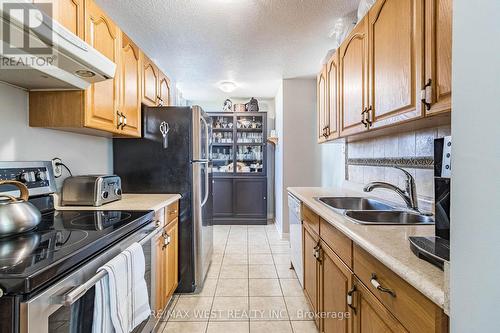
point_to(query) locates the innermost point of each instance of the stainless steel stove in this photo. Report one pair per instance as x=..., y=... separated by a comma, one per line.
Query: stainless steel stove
x=41, y=267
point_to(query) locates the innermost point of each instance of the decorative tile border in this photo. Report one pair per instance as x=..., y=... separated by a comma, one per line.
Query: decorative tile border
x=426, y=162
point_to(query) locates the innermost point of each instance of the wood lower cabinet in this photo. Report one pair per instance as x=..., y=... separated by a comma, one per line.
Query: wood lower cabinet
x=438, y=46
x=395, y=31
x=310, y=244
x=69, y=13
x=338, y=283
x=335, y=282
x=167, y=253
x=171, y=250
x=370, y=315
x=354, y=80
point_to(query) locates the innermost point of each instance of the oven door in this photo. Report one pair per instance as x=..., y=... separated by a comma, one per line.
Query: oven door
x=52, y=311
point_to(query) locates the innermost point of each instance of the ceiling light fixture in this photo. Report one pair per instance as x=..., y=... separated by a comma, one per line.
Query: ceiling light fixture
x=227, y=86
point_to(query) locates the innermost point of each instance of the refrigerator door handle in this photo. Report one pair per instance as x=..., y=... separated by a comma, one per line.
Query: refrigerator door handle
x=207, y=189
x=207, y=152
x=207, y=145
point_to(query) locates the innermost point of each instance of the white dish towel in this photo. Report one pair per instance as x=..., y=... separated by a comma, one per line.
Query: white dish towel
x=121, y=298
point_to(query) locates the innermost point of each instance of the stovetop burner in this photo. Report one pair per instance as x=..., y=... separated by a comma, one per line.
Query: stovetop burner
x=62, y=241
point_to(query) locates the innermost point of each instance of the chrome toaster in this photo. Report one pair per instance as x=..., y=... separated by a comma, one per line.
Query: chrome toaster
x=91, y=190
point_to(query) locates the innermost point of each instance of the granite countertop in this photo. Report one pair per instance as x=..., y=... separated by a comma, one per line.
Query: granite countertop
x=389, y=244
x=128, y=202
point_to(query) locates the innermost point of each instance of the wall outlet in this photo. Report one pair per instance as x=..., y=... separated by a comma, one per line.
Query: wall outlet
x=57, y=167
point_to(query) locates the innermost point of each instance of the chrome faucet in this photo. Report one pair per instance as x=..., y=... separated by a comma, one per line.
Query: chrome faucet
x=409, y=195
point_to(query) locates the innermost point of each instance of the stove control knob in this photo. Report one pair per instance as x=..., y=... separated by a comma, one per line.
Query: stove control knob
x=24, y=177
x=105, y=194
x=118, y=192
x=27, y=177
x=41, y=176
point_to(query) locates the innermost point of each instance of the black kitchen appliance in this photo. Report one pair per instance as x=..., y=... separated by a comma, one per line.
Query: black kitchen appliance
x=173, y=156
x=40, y=268
x=436, y=250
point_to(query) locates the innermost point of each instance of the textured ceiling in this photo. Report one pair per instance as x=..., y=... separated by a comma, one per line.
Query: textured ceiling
x=254, y=43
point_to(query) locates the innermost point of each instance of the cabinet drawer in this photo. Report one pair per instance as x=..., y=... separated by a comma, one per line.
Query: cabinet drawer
x=310, y=218
x=416, y=312
x=172, y=211
x=337, y=241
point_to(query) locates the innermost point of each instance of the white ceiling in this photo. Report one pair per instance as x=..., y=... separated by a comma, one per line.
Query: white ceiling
x=254, y=43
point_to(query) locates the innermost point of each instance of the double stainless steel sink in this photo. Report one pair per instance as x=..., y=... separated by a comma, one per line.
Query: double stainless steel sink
x=372, y=211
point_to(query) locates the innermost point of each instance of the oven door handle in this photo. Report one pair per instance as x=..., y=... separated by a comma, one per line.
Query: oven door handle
x=76, y=293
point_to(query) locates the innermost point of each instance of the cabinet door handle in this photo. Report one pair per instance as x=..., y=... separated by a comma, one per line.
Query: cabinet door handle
x=368, y=115
x=426, y=95
x=350, y=294
x=363, y=121
x=120, y=119
x=377, y=285
x=124, y=123
x=166, y=240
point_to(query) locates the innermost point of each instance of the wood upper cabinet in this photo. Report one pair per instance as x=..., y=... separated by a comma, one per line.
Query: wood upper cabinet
x=370, y=315
x=335, y=282
x=332, y=79
x=438, y=46
x=130, y=88
x=395, y=61
x=321, y=88
x=151, y=79
x=310, y=243
x=354, y=79
x=102, y=98
x=69, y=13
x=164, y=90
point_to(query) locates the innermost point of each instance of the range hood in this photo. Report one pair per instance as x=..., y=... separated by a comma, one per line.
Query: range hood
x=56, y=59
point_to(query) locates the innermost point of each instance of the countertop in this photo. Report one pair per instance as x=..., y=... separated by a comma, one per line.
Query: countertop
x=128, y=202
x=389, y=244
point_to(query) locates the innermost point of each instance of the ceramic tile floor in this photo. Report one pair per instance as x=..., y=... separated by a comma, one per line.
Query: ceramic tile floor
x=250, y=288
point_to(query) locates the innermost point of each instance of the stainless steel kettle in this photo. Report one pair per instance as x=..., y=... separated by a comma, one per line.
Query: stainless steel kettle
x=17, y=215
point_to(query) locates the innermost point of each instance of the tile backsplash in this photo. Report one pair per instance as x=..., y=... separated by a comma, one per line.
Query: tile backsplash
x=409, y=144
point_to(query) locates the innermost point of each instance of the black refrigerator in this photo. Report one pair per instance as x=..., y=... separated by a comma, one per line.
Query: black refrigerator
x=173, y=156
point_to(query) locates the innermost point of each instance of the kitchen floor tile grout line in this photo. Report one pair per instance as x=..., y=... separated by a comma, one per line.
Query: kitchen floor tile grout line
x=235, y=233
x=218, y=278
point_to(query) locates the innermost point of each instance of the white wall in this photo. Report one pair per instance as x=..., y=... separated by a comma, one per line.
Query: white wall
x=298, y=157
x=278, y=161
x=475, y=230
x=18, y=142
